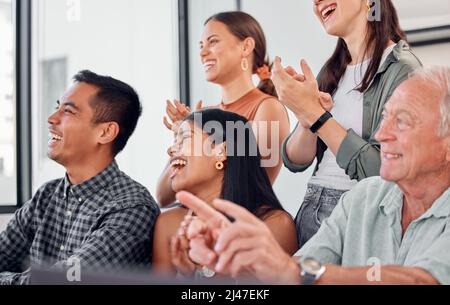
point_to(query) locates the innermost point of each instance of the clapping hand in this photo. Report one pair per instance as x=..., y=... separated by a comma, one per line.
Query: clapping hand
x=300, y=92
x=176, y=112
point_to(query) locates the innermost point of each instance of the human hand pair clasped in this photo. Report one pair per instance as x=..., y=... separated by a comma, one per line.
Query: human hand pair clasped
x=300, y=92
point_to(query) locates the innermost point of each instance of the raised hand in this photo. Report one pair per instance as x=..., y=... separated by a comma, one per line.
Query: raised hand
x=325, y=98
x=176, y=112
x=298, y=92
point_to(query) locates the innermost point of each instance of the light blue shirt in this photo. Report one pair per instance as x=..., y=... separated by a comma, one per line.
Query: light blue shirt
x=366, y=227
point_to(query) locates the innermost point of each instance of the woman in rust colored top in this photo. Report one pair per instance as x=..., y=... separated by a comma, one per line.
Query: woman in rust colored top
x=232, y=50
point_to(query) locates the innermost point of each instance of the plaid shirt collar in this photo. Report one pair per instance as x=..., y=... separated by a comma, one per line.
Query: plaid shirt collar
x=91, y=186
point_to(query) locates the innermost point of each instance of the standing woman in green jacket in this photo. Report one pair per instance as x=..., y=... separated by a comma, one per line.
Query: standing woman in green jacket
x=371, y=59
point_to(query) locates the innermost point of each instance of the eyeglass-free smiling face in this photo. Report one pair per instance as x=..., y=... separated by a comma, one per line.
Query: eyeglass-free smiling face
x=221, y=53
x=340, y=17
x=191, y=167
x=73, y=136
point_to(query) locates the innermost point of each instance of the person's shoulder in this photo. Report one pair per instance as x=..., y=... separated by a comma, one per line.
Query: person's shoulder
x=279, y=218
x=173, y=216
x=270, y=106
x=169, y=221
x=42, y=198
x=126, y=192
x=405, y=58
x=50, y=187
x=368, y=192
x=264, y=97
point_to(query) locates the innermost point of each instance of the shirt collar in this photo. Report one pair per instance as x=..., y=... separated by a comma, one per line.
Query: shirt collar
x=393, y=202
x=93, y=185
x=441, y=207
x=401, y=47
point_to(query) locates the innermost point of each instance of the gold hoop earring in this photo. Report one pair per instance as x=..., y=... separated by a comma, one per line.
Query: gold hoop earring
x=244, y=64
x=369, y=7
x=219, y=165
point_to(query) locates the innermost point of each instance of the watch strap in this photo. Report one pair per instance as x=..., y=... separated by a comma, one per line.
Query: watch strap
x=322, y=120
x=308, y=279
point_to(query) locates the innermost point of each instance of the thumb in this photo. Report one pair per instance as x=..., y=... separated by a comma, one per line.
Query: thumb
x=279, y=72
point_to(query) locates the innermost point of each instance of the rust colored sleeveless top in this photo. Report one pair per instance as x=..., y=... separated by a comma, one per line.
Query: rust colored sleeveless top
x=247, y=105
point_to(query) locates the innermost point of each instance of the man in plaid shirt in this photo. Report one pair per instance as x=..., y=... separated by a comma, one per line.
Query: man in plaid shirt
x=96, y=215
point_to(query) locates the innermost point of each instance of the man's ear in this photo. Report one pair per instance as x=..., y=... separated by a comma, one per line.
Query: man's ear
x=108, y=132
x=248, y=46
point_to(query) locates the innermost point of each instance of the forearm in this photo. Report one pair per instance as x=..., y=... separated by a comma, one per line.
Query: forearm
x=164, y=193
x=386, y=275
x=14, y=244
x=301, y=148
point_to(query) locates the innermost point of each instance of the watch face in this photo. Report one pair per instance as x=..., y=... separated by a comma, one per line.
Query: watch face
x=311, y=266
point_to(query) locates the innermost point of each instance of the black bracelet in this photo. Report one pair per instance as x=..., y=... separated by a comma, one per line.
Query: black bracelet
x=322, y=120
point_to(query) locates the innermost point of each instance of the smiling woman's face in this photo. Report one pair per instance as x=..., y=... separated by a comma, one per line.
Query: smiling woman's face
x=221, y=53
x=193, y=169
x=341, y=17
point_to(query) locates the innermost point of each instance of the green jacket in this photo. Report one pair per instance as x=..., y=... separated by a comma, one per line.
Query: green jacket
x=360, y=156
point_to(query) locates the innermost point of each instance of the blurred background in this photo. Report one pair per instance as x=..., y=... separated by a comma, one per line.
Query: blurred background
x=153, y=46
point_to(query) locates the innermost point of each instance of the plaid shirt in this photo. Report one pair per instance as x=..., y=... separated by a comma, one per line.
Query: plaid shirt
x=106, y=222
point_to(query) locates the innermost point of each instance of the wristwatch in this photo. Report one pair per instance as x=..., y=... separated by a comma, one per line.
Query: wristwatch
x=311, y=270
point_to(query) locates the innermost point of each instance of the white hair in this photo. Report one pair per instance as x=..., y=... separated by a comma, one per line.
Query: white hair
x=439, y=78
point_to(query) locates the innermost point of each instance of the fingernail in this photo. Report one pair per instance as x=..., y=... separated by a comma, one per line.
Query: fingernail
x=218, y=247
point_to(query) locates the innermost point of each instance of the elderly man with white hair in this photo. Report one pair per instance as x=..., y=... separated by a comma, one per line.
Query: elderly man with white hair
x=393, y=229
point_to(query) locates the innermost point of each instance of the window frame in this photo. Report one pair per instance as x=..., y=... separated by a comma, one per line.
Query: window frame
x=22, y=91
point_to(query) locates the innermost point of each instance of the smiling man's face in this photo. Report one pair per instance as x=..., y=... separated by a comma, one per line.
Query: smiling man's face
x=411, y=147
x=73, y=135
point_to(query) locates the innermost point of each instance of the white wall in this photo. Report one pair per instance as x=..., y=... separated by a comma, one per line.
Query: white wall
x=199, y=12
x=437, y=54
x=3, y=221
x=134, y=41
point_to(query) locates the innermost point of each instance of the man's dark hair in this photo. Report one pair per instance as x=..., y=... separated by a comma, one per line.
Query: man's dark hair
x=115, y=101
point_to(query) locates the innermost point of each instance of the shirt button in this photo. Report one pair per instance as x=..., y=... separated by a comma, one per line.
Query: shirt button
x=62, y=248
x=69, y=213
x=80, y=200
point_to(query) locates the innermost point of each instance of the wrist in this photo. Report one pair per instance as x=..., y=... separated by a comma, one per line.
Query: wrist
x=314, y=116
x=292, y=274
x=321, y=121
